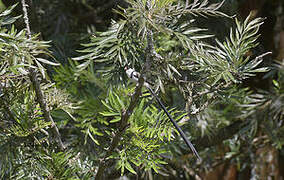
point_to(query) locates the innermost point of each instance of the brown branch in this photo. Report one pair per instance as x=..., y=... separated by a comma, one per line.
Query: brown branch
x=123, y=125
x=44, y=108
x=26, y=18
x=36, y=84
x=126, y=114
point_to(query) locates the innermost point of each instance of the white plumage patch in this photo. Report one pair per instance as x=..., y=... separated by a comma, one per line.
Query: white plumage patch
x=134, y=76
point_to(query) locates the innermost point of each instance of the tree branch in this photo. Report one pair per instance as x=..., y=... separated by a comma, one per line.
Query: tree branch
x=44, y=108
x=121, y=129
x=36, y=84
x=26, y=19
x=126, y=114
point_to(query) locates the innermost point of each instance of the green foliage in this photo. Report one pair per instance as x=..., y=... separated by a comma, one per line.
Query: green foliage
x=268, y=108
x=204, y=74
x=148, y=130
x=200, y=83
x=19, y=52
x=58, y=165
x=230, y=61
x=22, y=124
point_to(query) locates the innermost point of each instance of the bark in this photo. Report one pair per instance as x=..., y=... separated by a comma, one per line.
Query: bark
x=126, y=114
x=36, y=84
x=44, y=108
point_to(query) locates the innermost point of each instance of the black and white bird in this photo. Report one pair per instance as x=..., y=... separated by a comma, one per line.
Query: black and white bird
x=134, y=77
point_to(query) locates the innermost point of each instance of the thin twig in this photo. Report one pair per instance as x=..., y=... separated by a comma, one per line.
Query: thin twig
x=123, y=126
x=126, y=114
x=153, y=53
x=26, y=19
x=36, y=84
x=44, y=108
x=123, y=123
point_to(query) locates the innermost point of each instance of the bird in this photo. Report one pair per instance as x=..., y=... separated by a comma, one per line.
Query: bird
x=134, y=77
